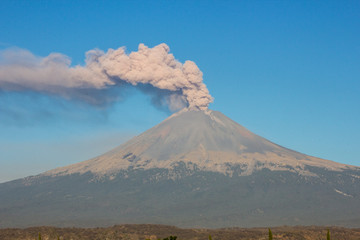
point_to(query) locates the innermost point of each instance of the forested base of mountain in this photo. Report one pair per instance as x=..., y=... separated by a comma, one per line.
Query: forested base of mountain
x=196, y=199
x=154, y=232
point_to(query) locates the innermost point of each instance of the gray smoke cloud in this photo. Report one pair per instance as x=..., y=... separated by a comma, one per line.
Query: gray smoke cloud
x=171, y=83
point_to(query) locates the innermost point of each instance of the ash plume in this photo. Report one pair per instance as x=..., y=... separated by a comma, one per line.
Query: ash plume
x=172, y=83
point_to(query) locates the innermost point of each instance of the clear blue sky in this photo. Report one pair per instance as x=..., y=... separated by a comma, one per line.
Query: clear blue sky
x=286, y=70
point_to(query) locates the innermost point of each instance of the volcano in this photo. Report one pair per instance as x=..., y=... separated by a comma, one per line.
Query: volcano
x=194, y=169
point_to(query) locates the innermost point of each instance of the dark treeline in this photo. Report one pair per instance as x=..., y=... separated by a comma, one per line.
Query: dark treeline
x=162, y=232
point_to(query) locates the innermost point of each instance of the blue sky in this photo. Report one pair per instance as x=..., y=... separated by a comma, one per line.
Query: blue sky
x=288, y=71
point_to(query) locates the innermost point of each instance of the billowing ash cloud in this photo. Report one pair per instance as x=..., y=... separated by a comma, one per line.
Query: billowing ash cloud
x=170, y=82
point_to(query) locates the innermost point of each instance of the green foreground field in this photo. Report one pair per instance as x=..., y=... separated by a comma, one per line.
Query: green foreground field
x=154, y=232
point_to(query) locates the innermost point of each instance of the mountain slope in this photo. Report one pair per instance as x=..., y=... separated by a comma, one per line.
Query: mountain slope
x=195, y=169
x=207, y=139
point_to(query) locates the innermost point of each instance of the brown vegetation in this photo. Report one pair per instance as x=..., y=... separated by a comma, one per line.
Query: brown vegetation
x=153, y=232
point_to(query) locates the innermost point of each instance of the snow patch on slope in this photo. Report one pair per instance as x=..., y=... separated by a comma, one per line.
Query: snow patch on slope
x=342, y=193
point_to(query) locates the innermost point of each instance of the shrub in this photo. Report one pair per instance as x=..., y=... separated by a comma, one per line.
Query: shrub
x=270, y=234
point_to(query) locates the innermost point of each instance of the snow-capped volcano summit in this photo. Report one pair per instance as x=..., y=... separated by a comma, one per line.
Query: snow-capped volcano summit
x=194, y=169
x=206, y=139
